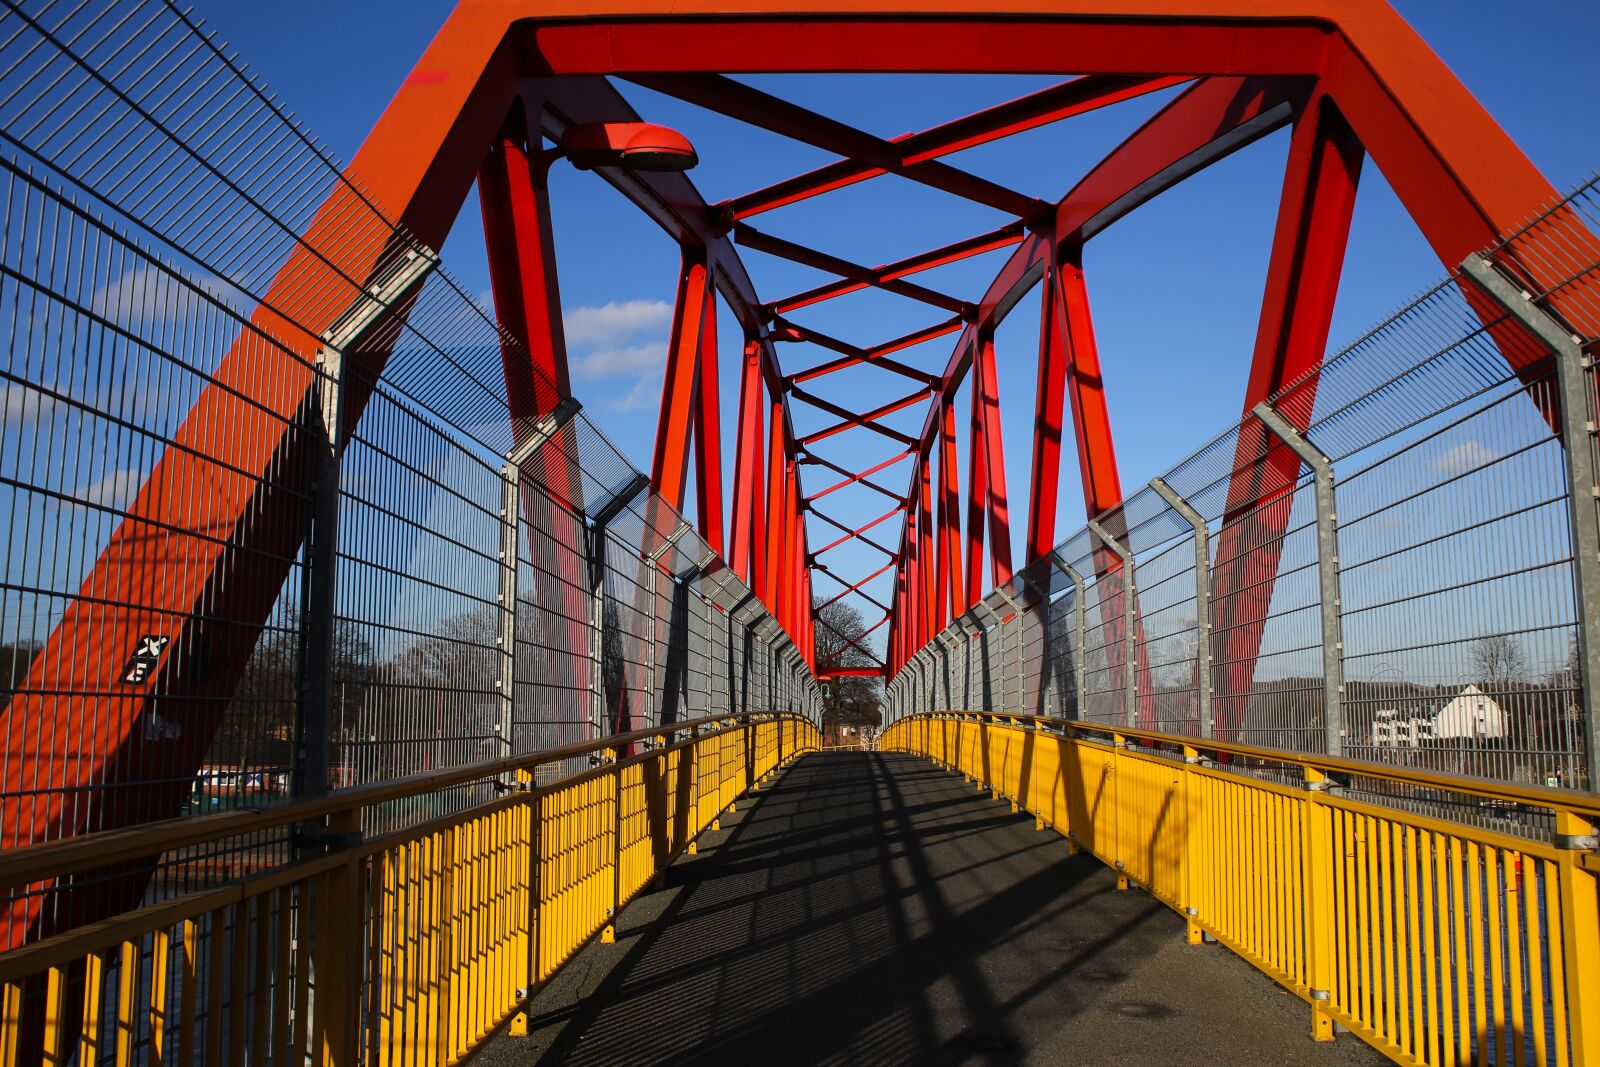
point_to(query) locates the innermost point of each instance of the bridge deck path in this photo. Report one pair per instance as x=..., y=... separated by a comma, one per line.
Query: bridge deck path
x=871, y=909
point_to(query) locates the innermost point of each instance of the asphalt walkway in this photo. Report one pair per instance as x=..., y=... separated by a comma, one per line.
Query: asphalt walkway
x=871, y=909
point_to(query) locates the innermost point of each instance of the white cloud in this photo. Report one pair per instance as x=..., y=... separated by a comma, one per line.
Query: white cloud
x=116, y=490
x=150, y=295
x=644, y=396
x=24, y=406
x=1464, y=457
x=615, y=322
x=620, y=360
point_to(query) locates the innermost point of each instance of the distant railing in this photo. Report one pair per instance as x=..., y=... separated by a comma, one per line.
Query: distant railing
x=1436, y=941
x=406, y=947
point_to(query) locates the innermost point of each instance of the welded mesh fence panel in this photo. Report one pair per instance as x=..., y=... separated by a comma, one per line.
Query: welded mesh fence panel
x=1165, y=639
x=176, y=256
x=1457, y=632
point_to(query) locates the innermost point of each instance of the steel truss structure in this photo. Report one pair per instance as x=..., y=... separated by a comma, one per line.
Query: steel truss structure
x=497, y=98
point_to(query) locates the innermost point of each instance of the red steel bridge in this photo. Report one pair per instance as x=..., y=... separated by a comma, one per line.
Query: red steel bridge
x=355, y=681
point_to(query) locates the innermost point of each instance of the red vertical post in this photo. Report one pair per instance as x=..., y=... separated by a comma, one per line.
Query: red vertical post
x=772, y=549
x=522, y=278
x=950, y=588
x=708, y=426
x=747, y=469
x=1091, y=422
x=995, y=462
x=930, y=575
x=794, y=549
x=669, y=467
x=1047, y=405
x=1308, y=248
x=977, y=488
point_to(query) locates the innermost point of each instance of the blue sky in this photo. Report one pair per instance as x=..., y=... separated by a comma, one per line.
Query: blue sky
x=1175, y=287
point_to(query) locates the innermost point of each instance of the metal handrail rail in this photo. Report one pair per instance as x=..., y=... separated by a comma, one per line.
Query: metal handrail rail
x=1572, y=800
x=52, y=859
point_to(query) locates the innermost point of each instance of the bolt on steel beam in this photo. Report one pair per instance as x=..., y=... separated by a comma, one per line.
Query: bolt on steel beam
x=1202, y=597
x=1327, y=570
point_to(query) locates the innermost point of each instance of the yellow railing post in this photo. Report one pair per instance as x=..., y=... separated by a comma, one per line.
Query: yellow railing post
x=1579, y=871
x=520, y=1021
x=608, y=936
x=1191, y=848
x=1114, y=765
x=340, y=920
x=1316, y=838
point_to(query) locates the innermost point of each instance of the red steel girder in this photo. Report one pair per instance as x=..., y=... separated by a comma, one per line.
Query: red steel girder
x=872, y=416
x=708, y=430
x=858, y=531
x=747, y=495
x=747, y=104
x=855, y=642
x=812, y=457
x=857, y=534
x=854, y=478
x=1085, y=387
x=1307, y=257
x=748, y=237
x=1004, y=237
x=986, y=390
x=864, y=421
x=855, y=588
x=1029, y=112
x=876, y=355
x=669, y=469
x=951, y=591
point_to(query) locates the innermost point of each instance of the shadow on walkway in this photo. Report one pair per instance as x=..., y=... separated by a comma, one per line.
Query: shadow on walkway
x=872, y=909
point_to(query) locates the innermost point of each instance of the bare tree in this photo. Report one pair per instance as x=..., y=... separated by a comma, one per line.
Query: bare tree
x=841, y=635
x=1498, y=661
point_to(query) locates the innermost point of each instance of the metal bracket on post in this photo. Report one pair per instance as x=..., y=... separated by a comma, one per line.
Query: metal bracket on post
x=1202, y=596
x=543, y=431
x=1130, y=596
x=1327, y=569
x=319, y=596
x=597, y=590
x=1079, y=678
x=1577, y=434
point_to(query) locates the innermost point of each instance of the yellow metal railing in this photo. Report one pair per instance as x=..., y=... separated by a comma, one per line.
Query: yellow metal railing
x=405, y=948
x=1436, y=941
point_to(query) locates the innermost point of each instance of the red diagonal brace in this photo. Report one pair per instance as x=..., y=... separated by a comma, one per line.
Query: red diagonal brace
x=850, y=416
x=854, y=478
x=748, y=237
x=747, y=104
x=1025, y=113
x=871, y=416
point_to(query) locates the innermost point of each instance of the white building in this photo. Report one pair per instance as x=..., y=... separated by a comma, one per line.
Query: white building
x=1473, y=715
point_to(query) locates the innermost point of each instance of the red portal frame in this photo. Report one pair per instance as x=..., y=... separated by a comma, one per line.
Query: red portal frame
x=1351, y=78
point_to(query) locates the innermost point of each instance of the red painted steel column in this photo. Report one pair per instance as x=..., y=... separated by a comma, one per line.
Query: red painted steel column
x=669, y=467
x=950, y=587
x=1091, y=423
x=995, y=462
x=925, y=549
x=708, y=427
x=1049, y=396
x=522, y=277
x=977, y=489
x=772, y=548
x=747, y=469
x=1302, y=282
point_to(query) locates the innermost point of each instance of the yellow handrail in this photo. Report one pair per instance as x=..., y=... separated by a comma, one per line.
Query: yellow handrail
x=1436, y=941
x=408, y=947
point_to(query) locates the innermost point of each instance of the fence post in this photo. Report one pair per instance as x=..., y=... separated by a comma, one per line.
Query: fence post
x=1130, y=597
x=1579, y=891
x=1317, y=842
x=1202, y=597
x=1577, y=434
x=1327, y=570
x=1010, y=647
x=1079, y=677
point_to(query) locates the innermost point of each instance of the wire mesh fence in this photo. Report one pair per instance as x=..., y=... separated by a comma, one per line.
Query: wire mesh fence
x=271, y=527
x=1440, y=515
